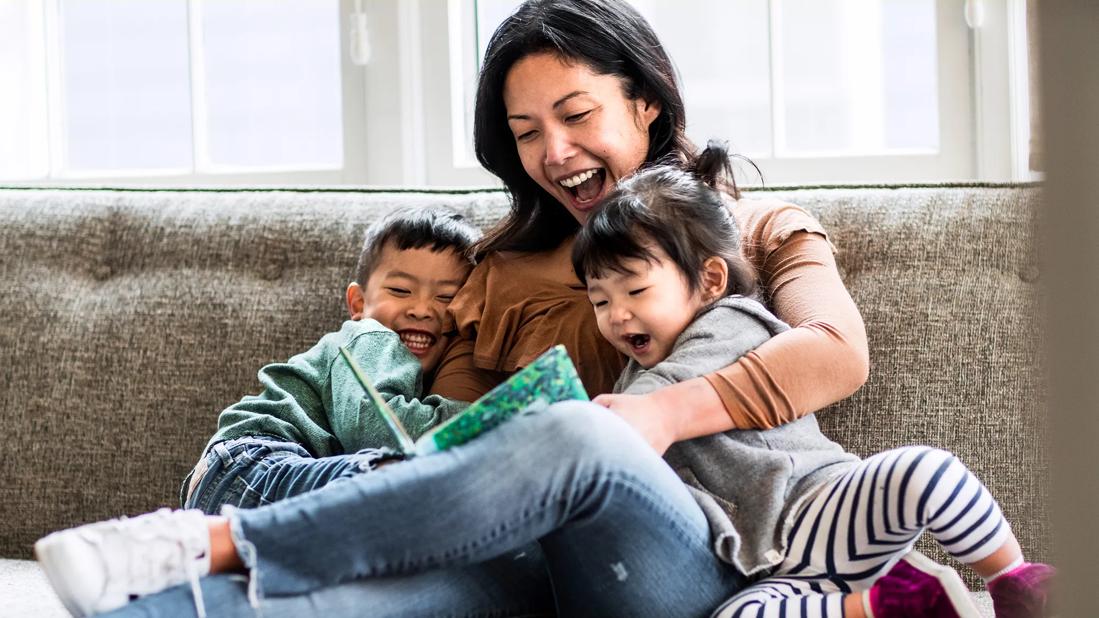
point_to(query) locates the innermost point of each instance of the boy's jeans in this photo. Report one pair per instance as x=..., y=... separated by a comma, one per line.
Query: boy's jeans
x=620, y=533
x=254, y=471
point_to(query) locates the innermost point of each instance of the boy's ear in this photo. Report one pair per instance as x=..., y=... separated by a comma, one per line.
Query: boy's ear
x=355, y=301
x=715, y=278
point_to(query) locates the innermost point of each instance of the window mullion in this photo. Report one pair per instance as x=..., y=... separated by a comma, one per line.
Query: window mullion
x=778, y=95
x=200, y=157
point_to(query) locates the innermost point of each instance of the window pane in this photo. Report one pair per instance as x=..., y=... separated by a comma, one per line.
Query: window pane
x=272, y=82
x=722, y=61
x=858, y=76
x=126, y=82
x=24, y=147
x=723, y=64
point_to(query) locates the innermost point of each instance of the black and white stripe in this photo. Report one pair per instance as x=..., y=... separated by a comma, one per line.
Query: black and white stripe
x=855, y=528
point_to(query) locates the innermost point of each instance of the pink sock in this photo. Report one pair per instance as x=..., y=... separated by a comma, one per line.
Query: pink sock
x=873, y=602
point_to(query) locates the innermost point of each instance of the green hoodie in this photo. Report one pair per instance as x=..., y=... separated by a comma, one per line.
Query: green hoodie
x=314, y=400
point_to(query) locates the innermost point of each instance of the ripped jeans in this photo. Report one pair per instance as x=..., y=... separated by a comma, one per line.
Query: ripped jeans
x=256, y=471
x=565, y=511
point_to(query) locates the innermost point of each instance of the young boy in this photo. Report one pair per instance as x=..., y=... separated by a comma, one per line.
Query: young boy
x=312, y=423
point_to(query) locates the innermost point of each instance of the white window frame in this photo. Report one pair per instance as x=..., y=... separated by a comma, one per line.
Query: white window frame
x=354, y=122
x=983, y=135
x=404, y=124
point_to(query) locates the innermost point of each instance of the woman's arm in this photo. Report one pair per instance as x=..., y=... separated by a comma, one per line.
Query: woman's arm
x=821, y=360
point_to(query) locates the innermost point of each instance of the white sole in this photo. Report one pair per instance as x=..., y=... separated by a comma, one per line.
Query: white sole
x=952, y=583
x=56, y=553
x=47, y=554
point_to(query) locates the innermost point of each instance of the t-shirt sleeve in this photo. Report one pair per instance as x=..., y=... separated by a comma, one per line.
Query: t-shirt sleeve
x=824, y=357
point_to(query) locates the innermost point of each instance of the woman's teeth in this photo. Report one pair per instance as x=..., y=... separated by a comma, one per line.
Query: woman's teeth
x=417, y=341
x=577, y=179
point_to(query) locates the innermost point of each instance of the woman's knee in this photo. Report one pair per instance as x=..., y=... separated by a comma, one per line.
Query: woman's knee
x=588, y=432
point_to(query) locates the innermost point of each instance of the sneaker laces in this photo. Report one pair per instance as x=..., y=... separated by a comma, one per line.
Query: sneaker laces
x=162, y=551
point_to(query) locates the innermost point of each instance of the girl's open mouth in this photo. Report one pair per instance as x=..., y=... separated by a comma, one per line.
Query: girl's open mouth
x=639, y=344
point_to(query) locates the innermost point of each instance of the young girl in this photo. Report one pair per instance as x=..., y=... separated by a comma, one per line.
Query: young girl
x=833, y=534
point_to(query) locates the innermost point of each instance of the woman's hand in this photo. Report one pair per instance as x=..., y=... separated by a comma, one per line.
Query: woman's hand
x=680, y=411
x=646, y=415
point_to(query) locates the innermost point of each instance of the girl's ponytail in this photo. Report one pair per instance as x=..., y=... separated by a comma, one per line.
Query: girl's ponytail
x=712, y=165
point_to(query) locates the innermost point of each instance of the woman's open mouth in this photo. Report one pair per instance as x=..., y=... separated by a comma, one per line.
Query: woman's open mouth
x=417, y=341
x=586, y=186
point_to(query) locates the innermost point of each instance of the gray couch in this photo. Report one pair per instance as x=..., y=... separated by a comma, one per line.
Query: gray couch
x=131, y=317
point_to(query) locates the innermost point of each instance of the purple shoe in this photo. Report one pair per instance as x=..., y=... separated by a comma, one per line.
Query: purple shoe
x=917, y=586
x=1024, y=592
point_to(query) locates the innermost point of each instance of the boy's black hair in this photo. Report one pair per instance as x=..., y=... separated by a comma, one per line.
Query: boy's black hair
x=681, y=211
x=415, y=228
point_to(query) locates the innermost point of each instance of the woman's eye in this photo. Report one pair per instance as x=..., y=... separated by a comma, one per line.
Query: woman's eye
x=577, y=117
x=522, y=137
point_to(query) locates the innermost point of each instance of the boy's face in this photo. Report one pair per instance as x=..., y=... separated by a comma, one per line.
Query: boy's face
x=408, y=292
x=643, y=312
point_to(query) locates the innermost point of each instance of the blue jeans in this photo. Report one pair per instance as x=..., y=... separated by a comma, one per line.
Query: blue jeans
x=619, y=532
x=255, y=471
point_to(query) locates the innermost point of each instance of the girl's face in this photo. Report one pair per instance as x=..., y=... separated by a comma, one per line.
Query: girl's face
x=576, y=132
x=642, y=312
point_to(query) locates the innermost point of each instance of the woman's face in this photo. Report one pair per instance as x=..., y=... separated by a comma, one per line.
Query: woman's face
x=576, y=132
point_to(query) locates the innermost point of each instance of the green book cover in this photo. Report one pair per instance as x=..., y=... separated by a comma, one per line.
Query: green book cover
x=548, y=379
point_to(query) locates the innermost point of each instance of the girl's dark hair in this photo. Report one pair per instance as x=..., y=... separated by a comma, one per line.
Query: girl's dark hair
x=682, y=212
x=609, y=37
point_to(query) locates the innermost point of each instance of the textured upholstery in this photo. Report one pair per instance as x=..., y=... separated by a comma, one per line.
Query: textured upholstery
x=130, y=318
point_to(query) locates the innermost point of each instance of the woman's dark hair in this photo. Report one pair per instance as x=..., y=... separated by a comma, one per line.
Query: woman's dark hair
x=682, y=212
x=609, y=37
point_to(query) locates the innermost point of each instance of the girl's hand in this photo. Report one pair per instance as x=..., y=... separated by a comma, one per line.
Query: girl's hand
x=645, y=414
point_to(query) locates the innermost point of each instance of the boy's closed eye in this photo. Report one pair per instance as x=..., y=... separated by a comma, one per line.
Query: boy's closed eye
x=397, y=291
x=638, y=291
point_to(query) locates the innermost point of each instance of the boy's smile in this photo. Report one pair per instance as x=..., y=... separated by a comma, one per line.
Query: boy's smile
x=408, y=292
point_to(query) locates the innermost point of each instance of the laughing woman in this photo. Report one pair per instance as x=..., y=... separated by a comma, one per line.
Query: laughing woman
x=570, y=512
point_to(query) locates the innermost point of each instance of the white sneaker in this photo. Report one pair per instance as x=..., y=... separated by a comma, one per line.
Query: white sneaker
x=100, y=567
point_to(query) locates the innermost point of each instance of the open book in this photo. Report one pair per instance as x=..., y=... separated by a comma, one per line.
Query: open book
x=548, y=379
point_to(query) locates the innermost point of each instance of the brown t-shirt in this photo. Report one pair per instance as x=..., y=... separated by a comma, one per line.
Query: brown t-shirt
x=515, y=306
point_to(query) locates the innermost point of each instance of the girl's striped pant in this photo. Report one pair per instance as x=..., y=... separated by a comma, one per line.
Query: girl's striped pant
x=859, y=525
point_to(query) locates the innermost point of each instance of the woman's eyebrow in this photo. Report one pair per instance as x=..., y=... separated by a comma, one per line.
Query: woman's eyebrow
x=557, y=104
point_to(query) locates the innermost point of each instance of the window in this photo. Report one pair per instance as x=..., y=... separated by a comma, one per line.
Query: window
x=180, y=92
x=102, y=89
x=822, y=90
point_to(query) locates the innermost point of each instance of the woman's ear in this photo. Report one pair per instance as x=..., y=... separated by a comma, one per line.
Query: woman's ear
x=355, y=301
x=715, y=278
x=647, y=111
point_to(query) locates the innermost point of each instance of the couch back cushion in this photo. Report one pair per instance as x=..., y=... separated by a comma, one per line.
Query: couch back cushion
x=131, y=318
